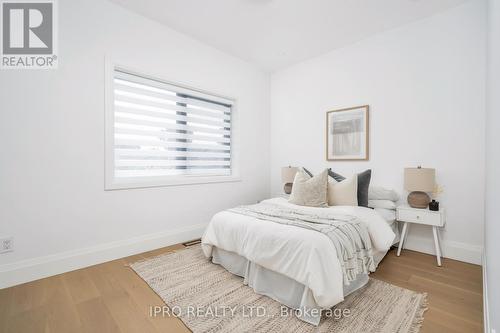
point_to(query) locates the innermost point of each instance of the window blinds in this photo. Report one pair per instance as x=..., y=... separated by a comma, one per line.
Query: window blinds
x=165, y=130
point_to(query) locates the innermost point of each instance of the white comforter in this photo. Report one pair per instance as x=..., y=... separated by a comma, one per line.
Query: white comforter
x=304, y=255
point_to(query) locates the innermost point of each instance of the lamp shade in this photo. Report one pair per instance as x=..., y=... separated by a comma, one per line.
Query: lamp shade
x=288, y=174
x=420, y=179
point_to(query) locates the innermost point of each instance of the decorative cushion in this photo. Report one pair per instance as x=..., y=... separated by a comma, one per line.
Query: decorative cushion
x=363, y=185
x=309, y=191
x=343, y=193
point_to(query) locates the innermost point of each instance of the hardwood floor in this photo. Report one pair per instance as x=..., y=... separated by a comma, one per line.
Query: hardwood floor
x=110, y=297
x=455, y=290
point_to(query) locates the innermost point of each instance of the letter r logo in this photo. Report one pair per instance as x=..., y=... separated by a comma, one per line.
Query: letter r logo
x=27, y=28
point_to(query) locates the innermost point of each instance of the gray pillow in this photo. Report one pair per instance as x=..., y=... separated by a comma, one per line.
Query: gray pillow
x=363, y=184
x=310, y=173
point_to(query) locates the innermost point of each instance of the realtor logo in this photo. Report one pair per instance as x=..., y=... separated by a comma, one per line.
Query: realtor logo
x=28, y=34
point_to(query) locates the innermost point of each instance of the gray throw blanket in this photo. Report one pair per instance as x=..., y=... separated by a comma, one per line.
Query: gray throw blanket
x=347, y=233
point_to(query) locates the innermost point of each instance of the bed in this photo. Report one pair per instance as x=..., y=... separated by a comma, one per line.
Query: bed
x=389, y=215
x=295, y=266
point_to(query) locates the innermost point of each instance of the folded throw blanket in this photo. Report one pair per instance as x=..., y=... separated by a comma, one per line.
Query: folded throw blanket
x=347, y=233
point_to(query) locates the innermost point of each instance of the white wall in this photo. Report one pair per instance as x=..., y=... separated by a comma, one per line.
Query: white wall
x=52, y=198
x=492, y=222
x=425, y=86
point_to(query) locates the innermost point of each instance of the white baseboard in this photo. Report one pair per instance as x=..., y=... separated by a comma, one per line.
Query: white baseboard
x=451, y=249
x=41, y=267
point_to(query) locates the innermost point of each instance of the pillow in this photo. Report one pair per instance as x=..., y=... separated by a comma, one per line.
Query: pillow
x=380, y=193
x=344, y=193
x=363, y=184
x=309, y=191
x=387, y=204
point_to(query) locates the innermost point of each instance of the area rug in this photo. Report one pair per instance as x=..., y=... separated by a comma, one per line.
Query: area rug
x=207, y=298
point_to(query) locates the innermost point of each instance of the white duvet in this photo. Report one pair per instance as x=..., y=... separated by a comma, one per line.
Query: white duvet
x=304, y=255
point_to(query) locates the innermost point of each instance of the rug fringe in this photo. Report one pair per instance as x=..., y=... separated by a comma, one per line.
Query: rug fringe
x=418, y=320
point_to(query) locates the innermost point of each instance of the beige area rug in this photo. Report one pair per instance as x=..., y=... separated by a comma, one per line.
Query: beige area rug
x=207, y=298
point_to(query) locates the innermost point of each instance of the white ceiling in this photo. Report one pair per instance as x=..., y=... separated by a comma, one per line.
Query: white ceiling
x=274, y=34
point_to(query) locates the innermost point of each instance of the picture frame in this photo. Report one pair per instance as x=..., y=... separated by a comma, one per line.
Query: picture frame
x=347, y=134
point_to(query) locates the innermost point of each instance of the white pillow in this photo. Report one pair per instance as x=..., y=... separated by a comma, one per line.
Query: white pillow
x=387, y=204
x=381, y=193
x=309, y=191
x=344, y=193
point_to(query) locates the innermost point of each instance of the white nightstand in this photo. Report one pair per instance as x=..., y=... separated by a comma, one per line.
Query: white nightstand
x=436, y=219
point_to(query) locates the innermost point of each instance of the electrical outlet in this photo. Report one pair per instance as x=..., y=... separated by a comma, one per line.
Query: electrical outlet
x=6, y=244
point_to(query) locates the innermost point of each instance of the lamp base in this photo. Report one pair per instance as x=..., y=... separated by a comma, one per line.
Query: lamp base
x=418, y=199
x=288, y=188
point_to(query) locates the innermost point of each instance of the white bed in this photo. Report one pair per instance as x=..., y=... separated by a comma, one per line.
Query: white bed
x=389, y=215
x=295, y=266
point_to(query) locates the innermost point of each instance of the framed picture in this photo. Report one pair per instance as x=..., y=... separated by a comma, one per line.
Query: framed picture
x=347, y=134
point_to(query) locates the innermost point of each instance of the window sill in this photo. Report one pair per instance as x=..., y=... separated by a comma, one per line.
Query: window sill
x=175, y=181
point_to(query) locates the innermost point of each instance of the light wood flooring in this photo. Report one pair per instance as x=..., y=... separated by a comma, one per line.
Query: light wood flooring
x=110, y=297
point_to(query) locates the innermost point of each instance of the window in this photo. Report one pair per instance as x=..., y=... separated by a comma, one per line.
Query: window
x=164, y=134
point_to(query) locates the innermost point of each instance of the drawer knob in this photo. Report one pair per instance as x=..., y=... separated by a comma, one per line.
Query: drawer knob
x=418, y=217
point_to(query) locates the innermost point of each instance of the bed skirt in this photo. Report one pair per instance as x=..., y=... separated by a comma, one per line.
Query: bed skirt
x=281, y=288
x=277, y=286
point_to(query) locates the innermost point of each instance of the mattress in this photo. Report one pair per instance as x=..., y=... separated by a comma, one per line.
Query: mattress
x=389, y=215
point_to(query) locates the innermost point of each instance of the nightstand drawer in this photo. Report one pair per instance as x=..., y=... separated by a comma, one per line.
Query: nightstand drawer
x=420, y=216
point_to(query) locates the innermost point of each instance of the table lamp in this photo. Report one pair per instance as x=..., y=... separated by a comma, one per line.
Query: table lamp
x=418, y=181
x=287, y=177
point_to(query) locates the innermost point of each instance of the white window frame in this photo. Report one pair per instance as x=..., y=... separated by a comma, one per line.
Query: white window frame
x=113, y=183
